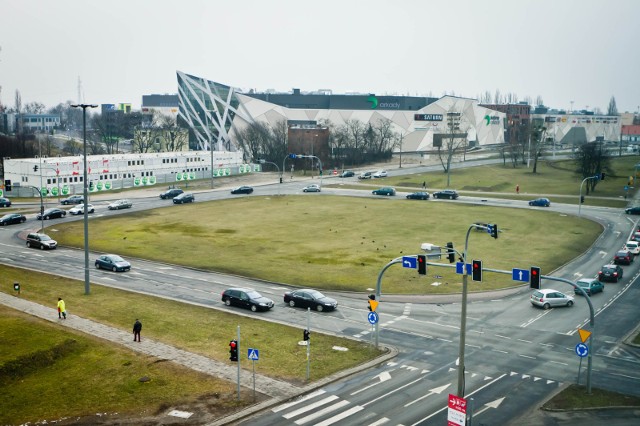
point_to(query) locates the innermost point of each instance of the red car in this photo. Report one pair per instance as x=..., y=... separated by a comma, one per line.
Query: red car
x=623, y=257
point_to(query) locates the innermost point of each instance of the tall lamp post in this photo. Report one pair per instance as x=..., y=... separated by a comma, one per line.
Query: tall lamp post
x=87, y=288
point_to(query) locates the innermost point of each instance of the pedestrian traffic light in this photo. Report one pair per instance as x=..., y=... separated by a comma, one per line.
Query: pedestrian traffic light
x=582, y=199
x=494, y=231
x=422, y=264
x=233, y=350
x=476, y=270
x=451, y=253
x=306, y=334
x=534, y=277
x=372, y=297
x=35, y=168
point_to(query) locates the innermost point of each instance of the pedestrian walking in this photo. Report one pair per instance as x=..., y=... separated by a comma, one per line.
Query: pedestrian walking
x=137, y=328
x=517, y=189
x=62, y=310
x=424, y=184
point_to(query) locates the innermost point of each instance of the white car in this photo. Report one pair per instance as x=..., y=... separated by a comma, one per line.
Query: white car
x=311, y=188
x=550, y=298
x=633, y=247
x=380, y=174
x=79, y=209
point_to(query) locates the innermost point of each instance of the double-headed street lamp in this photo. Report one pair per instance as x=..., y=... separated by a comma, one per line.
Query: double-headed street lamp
x=87, y=288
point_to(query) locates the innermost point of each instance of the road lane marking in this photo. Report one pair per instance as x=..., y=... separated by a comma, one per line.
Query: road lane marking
x=503, y=337
x=340, y=416
x=527, y=356
x=322, y=412
x=298, y=401
x=310, y=407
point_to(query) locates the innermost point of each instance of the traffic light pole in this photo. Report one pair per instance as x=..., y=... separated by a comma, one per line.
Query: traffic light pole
x=308, y=344
x=238, y=349
x=463, y=315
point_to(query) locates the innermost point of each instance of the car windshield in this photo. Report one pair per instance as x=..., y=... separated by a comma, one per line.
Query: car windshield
x=7, y=216
x=45, y=238
x=315, y=294
x=538, y=294
x=254, y=295
x=621, y=254
x=116, y=258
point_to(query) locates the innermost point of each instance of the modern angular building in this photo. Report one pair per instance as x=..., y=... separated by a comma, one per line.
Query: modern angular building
x=214, y=112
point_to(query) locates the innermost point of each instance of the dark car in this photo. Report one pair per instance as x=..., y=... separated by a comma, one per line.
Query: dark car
x=246, y=298
x=120, y=204
x=242, y=190
x=185, y=197
x=623, y=257
x=610, y=272
x=54, y=213
x=41, y=241
x=418, y=196
x=590, y=286
x=632, y=210
x=5, y=202
x=112, y=262
x=307, y=298
x=385, y=190
x=449, y=194
x=540, y=202
x=347, y=173
x=171, y=193
x=12, y=218
x=74, y=199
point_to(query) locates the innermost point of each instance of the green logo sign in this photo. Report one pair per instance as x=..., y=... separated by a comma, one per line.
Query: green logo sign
x=152, y=180
x=144, y=180
x=54, y=191
x=488, y=118
x=65, y=190
x=44, y=191
x=100, y=186
x=374, y=102
x=1, y=193
x=136, y=182
x=107, y=185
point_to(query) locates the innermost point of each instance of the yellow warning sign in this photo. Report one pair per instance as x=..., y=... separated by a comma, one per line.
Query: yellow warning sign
x=373, y=304
x=584, y=334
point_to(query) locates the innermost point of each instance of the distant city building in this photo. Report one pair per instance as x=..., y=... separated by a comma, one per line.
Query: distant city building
x=164, y=104
x=575, y=128
x=631, y=133
x=32, y=123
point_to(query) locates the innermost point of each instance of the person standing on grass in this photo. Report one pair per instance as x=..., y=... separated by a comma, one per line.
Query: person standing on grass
x=517, y=189
x=137, y=328
x=62, y=311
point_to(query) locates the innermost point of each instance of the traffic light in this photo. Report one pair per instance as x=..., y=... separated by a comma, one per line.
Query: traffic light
x=233, y=350
x=451, y=253
x=476, y=270
x=7, y=185
x=35, y=168
x=602, y=176
x=534, y=277
x=422, y=264
x=582, y=199
x=90, y=185
x=494, y=231
x=371, y=297
x=306, y=334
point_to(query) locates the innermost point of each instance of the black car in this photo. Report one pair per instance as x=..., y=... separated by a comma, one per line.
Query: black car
x=418, y=196
x=12, y=218
x=347, y=173
x=5, y=202
x=53, y=213
x=632, y=210
x=610, y=272
x=246, y=298
x=307, y=298
x=185, y=197
x=448, y=194
x=74, y=199
x=242, y=190
x=171, y=193
x=623, y=257
x=112, y=262
x=41, y=241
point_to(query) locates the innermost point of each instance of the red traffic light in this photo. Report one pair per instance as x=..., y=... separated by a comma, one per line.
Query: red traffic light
x=476, y=270
x=422, y=264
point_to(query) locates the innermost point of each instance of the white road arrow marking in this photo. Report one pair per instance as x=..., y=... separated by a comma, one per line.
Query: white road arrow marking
x=384, y=376
x=603, y=253
x=431, y=392
x=494, y=404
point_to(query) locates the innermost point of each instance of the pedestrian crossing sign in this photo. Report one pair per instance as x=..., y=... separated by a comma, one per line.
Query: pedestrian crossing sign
x=253, y=354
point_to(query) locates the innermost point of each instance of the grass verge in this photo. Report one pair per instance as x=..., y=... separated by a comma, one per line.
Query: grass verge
x=575, y=397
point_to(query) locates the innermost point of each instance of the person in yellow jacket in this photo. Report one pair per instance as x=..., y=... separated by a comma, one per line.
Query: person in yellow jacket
x=62, y=311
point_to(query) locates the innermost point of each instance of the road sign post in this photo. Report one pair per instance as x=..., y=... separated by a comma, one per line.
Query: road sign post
x=253, y=355
x=457, y=412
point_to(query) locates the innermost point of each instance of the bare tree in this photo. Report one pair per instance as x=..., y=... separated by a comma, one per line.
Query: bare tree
x=34, y=108
x=539, y=101
x=174, y=137
x=455, y=141
x=72, y=147
x=612, y=109
x=591, y=159
x=497, y=98
x=538, y=138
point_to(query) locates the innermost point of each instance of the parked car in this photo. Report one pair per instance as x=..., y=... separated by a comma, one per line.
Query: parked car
x=12, y=218
x=185, y=197
x=550, y=298
x=311, y=188
x=171, y=193
x=53, y=213
x=365, y=175
x=242, y=190
x=120, y=204
x=79, y=209
x=422, y=195
x=632, y=210
x=380, y=174
x=611, y=272
x=589, y=285
x=540, y=202
x=446, y=194
x=112, y=262
x=246, y=298
x=74, y=199
x=385, y=190
x=623, y=257
x=307, y=298
x=5, y=202
x=41, y=241
x=346, y=174
x=633, y=247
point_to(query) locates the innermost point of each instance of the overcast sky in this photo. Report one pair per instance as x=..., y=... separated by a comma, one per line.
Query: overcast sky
x=564, y=51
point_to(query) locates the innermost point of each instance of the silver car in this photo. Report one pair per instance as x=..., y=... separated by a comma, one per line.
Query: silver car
x=550, y=298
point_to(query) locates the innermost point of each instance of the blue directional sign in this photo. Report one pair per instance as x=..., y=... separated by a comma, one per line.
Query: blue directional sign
x=520, y=275
x=582, y=350
x=292, y=155
x=373, y=317
x=459, y=266
x=253, y=354
x=409, y=262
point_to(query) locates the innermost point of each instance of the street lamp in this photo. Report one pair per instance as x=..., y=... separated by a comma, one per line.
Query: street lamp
x=87, y=289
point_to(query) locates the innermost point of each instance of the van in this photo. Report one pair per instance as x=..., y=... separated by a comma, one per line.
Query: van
x=41, y=241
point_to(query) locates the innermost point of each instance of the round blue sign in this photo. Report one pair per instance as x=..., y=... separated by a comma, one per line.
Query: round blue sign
x=372, y=317
x=582, y=350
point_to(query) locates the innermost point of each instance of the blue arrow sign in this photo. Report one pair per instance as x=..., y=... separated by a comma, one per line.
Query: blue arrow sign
x=582, y=350
x=459, y=268
x=409, y=262
x=520, y=275
x=253, y=354
x=373, y=317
